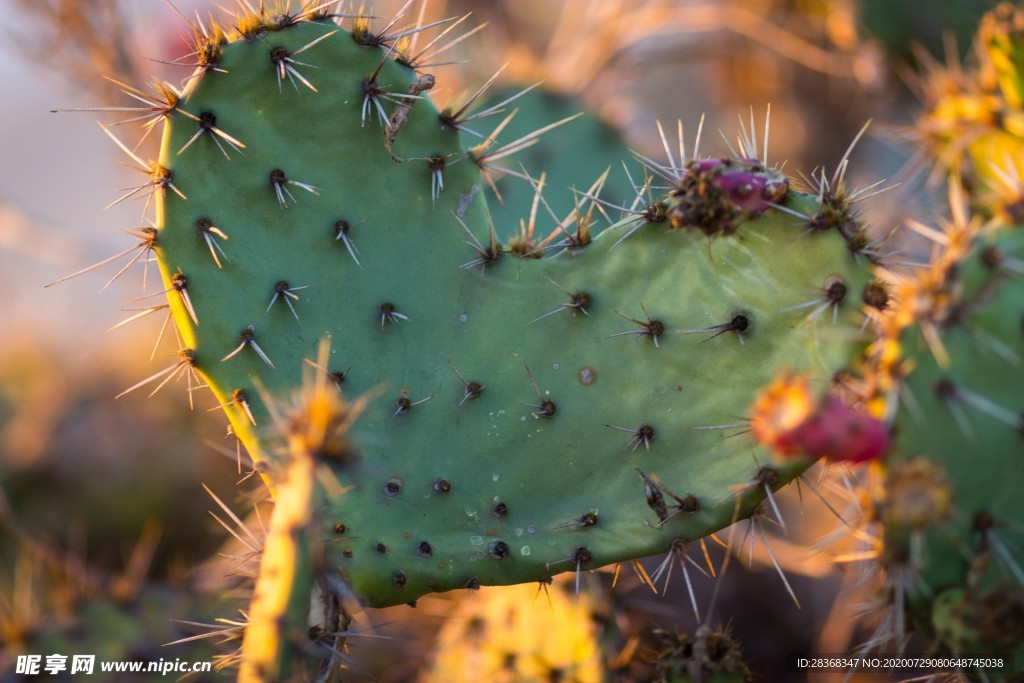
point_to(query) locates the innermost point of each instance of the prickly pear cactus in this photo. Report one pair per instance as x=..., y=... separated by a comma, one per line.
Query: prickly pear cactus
x=951, y=543
x=519, y=634
x=953, y=351
x=535, y=410
x=974, y=123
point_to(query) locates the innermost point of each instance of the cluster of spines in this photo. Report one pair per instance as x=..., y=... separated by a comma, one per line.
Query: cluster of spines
x=578, y=302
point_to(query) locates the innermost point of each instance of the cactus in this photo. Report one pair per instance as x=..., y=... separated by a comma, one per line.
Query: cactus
x=61, y=605
x=952, y=350
x=507, y=440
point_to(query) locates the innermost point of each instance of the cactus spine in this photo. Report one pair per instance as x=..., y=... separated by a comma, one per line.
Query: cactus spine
x=952, y=351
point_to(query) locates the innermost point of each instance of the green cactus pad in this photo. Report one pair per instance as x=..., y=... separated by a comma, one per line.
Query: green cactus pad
x=571, y=157
x=950, y=518
x=529, y=415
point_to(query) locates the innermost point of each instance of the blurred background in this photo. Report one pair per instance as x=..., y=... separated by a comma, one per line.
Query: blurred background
x=102, y=496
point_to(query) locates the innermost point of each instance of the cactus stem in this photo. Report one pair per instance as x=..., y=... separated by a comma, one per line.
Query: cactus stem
x=208, y=125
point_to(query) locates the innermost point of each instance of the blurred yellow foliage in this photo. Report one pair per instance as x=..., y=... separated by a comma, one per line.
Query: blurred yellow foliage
x=511, y=634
